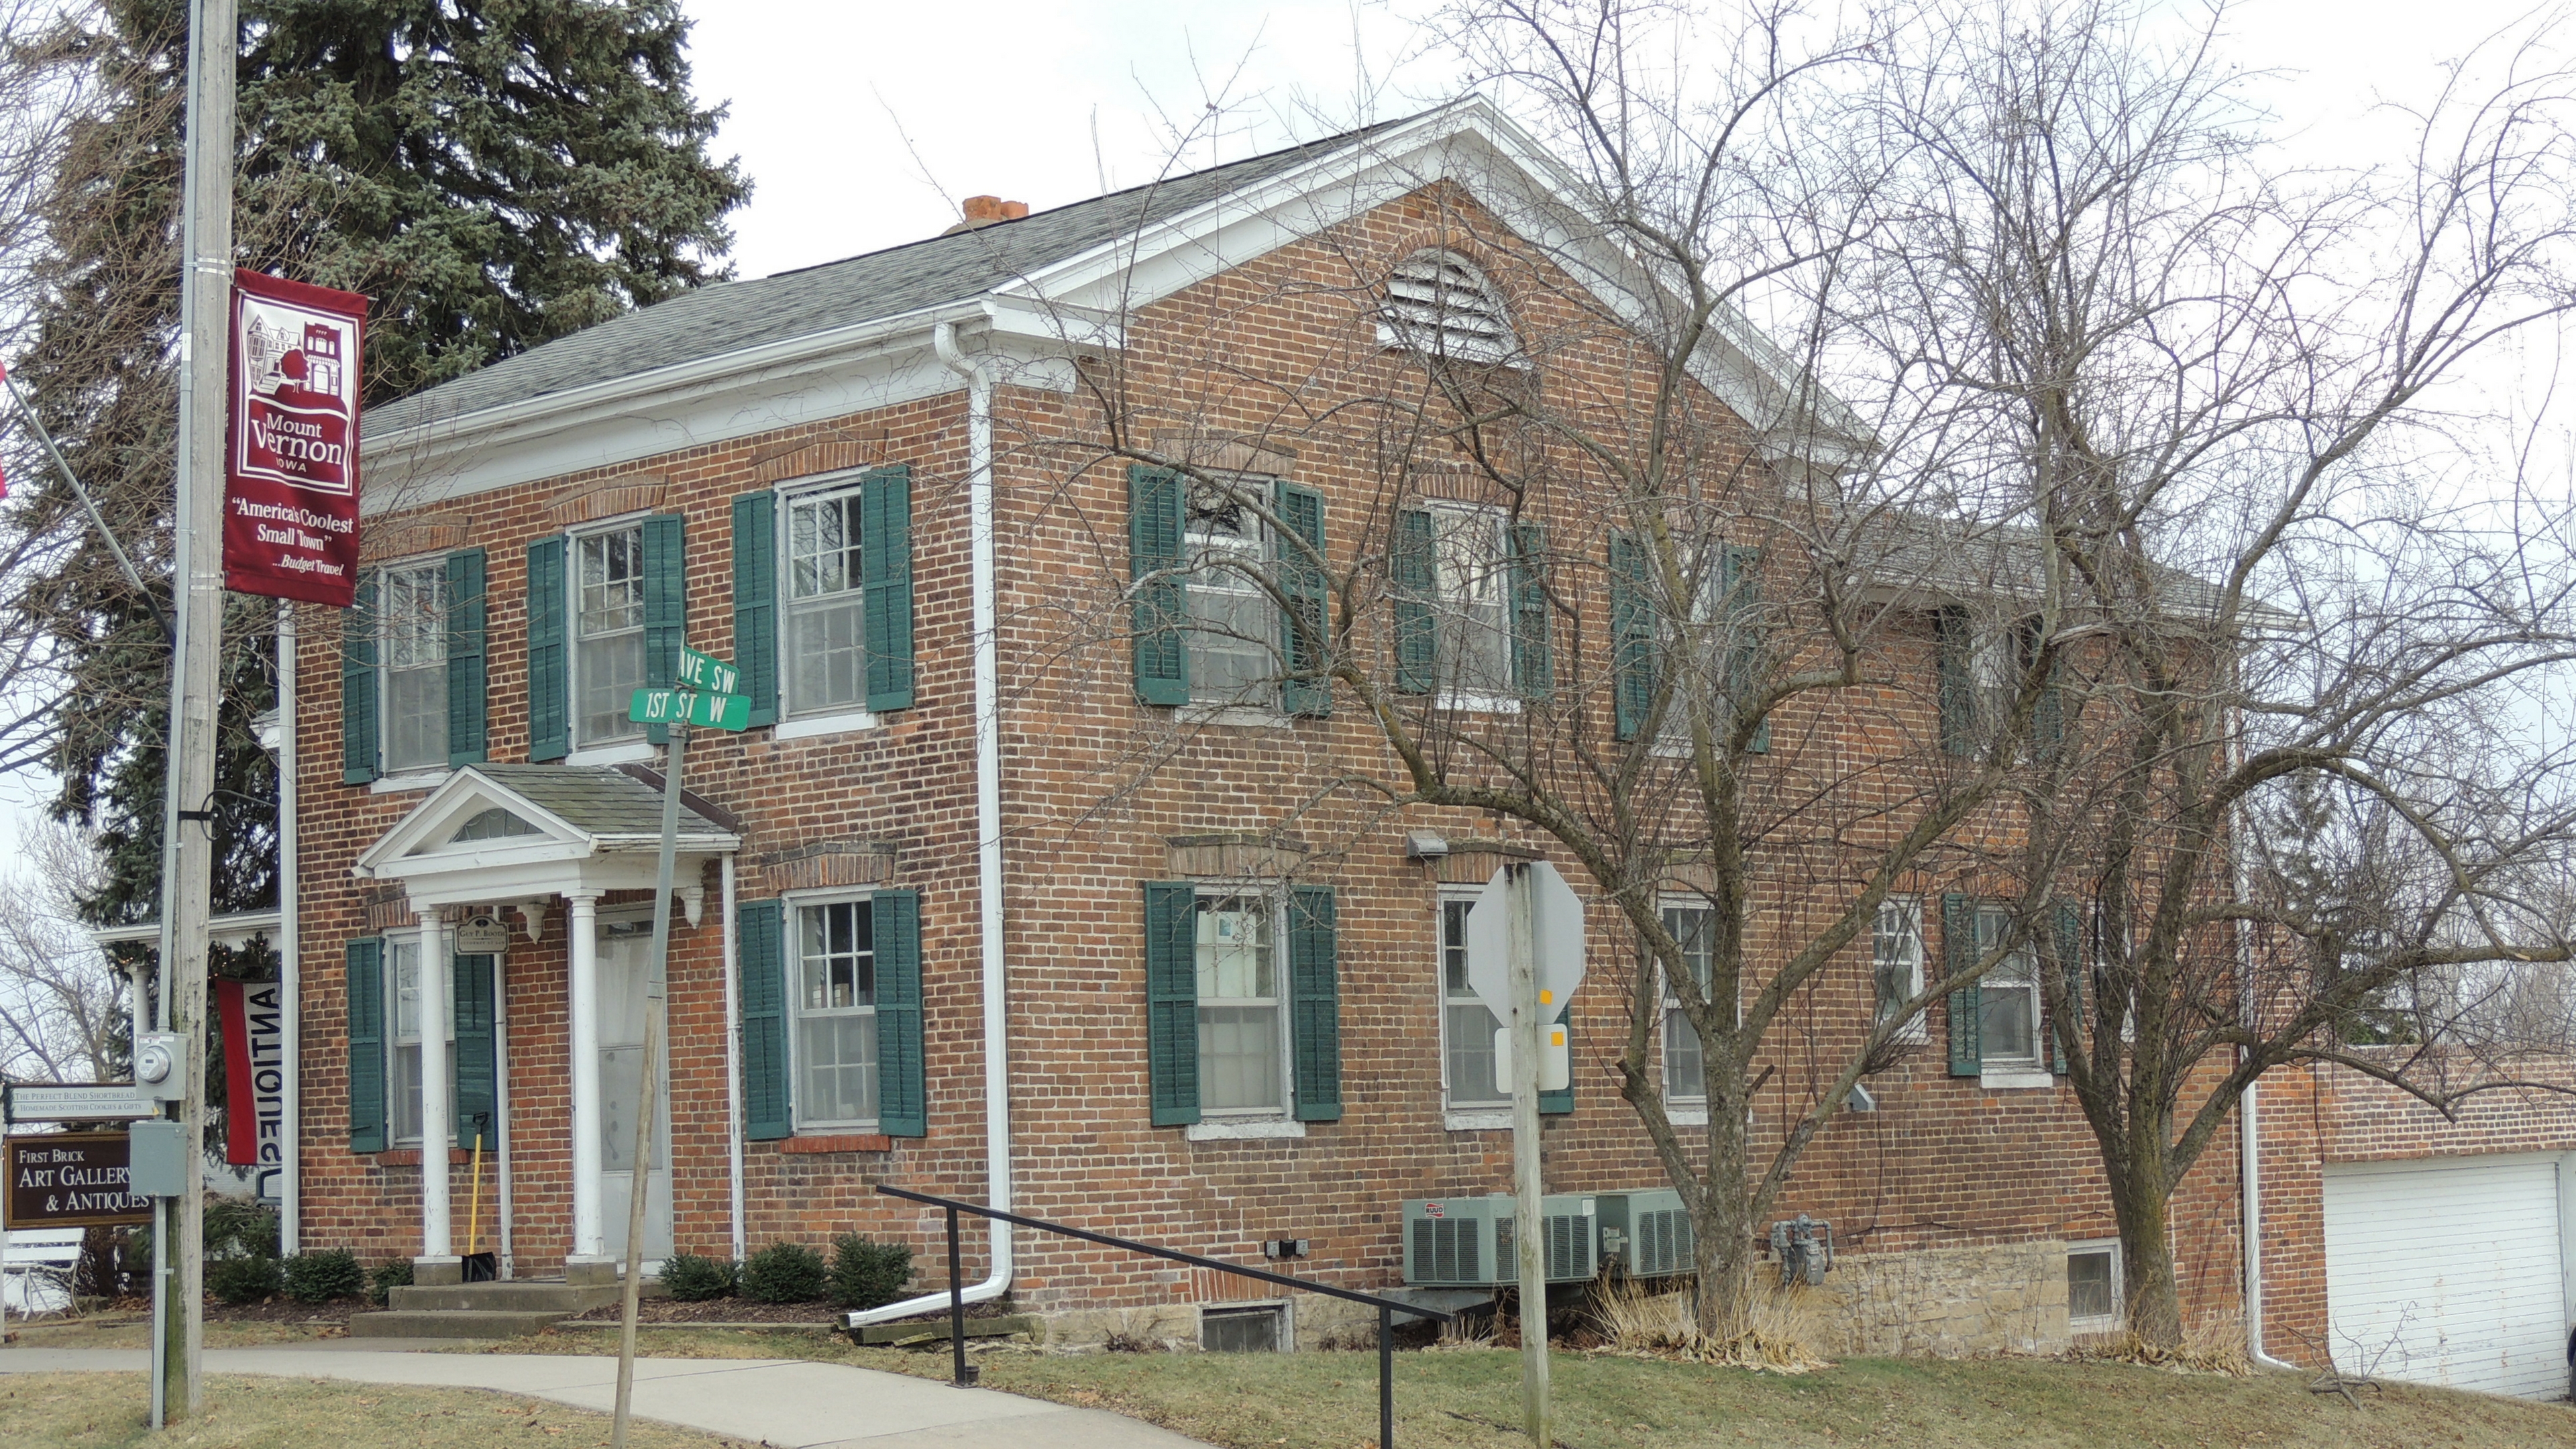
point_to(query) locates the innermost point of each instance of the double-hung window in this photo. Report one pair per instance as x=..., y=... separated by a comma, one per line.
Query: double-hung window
x=402, y=1045
x=1233, y=624
x=2007, y=997
x=1472, y=580
x=411, y=604
x=836, y=1014
x=1242, y=1050
x=1896, y=961
x=826, y=644
x=1467, y=1025
x=608, y=632
x=1694, y=928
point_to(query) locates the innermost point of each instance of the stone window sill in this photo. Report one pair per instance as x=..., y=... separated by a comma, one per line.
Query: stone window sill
x=1244, y=1130
x=621, y=752
x=1478, y=1120
x=1245, y=716
x=825, y=724
x=410, y=1157
x=839, y=1142
x=2015, y=1079
x=407, y=781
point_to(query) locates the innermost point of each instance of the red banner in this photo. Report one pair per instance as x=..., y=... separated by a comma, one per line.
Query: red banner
x=251, y=1014
x=291, y=470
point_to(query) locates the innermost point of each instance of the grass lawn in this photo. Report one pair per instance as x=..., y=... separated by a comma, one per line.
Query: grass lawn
x=128, y=1333
x=107, y=1411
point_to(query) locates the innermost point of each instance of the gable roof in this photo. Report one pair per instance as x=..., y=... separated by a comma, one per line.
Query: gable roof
x=734, y=316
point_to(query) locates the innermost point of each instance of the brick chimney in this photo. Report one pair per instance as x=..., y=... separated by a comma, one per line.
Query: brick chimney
x=986, y=210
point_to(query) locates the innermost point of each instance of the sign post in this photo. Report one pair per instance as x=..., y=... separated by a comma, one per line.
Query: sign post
x=1524, y=958
x=706, y=697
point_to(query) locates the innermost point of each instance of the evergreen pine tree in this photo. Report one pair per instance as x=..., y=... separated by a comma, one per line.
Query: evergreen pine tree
x=492, y=173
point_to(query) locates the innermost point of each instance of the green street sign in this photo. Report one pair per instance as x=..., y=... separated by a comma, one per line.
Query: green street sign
x=707, y=674
x=688, y=706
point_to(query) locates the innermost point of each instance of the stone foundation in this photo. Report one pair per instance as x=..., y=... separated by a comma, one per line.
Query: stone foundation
x=1943, y=1302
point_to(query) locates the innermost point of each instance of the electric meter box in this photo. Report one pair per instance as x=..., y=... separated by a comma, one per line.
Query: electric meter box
x=161, y=1066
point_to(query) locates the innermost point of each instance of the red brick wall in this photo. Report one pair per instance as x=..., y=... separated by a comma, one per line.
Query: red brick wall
x=1941, y=1163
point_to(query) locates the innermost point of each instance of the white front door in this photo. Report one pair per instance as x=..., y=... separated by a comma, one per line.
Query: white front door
x=625, y=954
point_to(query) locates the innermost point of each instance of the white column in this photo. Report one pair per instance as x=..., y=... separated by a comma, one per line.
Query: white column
x=437, y=1133
x=589, y=1242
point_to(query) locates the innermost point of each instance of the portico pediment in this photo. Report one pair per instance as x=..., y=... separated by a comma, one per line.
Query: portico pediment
x=494, y=833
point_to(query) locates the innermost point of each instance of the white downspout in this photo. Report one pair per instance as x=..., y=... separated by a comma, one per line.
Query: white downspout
x=290, y=943
x=2248, y=1135
x=733, y=1057
x=988, y=830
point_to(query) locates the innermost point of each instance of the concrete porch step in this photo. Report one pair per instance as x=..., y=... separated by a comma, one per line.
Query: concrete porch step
x=451, y=1323
x=526, y=1295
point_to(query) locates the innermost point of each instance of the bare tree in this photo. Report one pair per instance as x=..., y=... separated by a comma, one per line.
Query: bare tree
x=2211, y=388
x=62, y=1005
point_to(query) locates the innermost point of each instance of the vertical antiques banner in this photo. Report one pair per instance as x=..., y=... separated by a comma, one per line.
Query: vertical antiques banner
x=254, y=1072
x=291, y=473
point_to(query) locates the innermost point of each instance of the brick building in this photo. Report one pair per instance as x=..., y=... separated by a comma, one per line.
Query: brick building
x=1116, y=957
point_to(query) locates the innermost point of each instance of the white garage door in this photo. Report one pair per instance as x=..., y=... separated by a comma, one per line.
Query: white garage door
x=2447, y=1272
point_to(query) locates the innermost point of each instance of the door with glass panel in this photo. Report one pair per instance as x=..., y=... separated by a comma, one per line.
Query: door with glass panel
x=625, y=959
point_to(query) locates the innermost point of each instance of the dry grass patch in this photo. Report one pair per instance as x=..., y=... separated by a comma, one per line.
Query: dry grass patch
x=109, y=1411
x=126, y=1332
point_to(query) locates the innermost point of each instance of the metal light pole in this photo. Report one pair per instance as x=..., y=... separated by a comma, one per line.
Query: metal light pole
x=187, y=851
x=1529, y=1235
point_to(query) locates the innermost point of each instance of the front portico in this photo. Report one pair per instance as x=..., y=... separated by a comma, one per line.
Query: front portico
x=502, y=841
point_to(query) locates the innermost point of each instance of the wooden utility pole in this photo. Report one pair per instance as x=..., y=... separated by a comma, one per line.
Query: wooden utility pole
x=656, y=988
x=187, y=811
x=1529, y=1210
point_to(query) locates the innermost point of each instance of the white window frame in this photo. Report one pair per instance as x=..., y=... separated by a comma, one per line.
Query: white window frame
x=1451, y=616
x=797, y=903
x=1275, y=906
x=401, y=1085
x=1474, y=1114
x=2031, y=1070
x=2098, y=1323
x=1909, y=910
x=434, y=567
x=1205, y=555
x=796, y=719
x=630, y=743
x=1673, y=1018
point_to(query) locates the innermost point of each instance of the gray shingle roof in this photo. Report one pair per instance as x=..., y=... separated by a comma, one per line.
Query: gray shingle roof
x=597, y=799
x=732, y=316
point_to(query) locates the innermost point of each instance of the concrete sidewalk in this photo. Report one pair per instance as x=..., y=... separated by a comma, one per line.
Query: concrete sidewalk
x=785, y=1403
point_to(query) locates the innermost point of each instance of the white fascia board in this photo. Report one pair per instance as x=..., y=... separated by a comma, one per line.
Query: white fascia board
x=530, y=880
x=713, y=399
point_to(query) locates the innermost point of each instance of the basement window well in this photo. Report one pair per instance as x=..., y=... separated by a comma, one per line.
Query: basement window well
x=1260, y=1329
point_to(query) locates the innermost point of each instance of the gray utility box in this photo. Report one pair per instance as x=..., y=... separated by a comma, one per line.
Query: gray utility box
x=1649, y=1232
x=1469, y=1242
x=157, y=1158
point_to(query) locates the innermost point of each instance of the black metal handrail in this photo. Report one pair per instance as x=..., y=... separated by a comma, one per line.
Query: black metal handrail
x=962, y=1375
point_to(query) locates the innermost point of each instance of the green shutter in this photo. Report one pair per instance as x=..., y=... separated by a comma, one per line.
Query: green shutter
x=1743, y=594
x=1315, y=1010
x=1556, y=1104
x=1953, y=641
x=468, y=734
x=755, y=601
x=549, y=674
x=1632, y=637
x=2070, y=959
x=367, y=1044
x=903, y=1093
x=1533, y=661
x=1154, y=497
x=1304, y=644
x=1417, y=633
x=1958, y=953
x=359, y=749
x=1172, y=1001
x=476, y=1069
x=885, y=572
x=760, y=954
x=666, y=605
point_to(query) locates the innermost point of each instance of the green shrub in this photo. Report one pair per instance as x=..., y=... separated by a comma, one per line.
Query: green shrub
x=243, y=1280
x=386, y=1278
x=239, y=1228
x=693, y=1279
x=785, y=1273
x=868, y=1274
x=321, y=1277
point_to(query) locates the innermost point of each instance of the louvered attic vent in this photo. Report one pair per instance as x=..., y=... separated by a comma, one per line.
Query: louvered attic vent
x=1438, y=303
